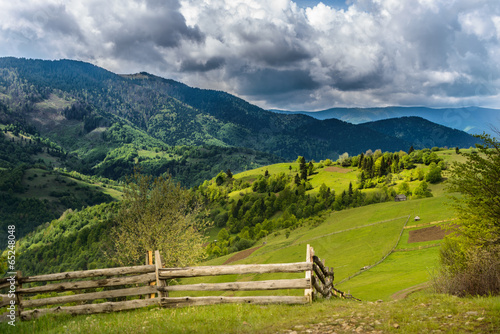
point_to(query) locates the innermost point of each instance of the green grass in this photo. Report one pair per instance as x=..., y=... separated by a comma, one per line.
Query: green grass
x=350, y=240
x=399, y=271
x=420, y=313
x=42, y=182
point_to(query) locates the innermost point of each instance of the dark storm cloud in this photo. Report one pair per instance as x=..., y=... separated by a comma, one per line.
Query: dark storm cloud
x=346, y=80
x=142, y=36
x=55, y=18
x=50, y=19
x=270, y=44
x=192, y=65
x=270, y=81
x=277, y=53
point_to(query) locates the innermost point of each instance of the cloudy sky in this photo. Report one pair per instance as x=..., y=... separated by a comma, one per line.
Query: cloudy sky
x=296, y=55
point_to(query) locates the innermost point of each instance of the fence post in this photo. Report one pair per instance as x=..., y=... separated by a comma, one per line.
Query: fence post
x=159, y=282
x=309, y=255
x=149, y=261
x=19, y=299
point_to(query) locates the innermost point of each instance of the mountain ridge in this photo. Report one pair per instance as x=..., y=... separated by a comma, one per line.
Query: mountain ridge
x=473, y=120
x=82, y=97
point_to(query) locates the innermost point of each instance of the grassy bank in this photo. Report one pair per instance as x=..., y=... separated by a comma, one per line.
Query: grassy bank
x=422, y=312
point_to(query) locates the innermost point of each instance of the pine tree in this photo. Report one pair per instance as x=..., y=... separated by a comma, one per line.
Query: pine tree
x=361, y=160
x=297, y=179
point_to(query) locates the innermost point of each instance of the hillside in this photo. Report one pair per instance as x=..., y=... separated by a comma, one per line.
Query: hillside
x=473, y=120
x=75, y=104
x=269, y=203
x=380, y=253
x=420, y=131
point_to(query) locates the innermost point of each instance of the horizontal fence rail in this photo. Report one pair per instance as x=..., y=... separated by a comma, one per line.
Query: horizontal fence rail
x=90, y=273
x=201, y=301
x=66, y=286
x=90, y=308
x=166, y=273
x=300, y=283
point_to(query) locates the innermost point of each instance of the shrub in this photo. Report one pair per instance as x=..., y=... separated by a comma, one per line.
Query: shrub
x=472, y=273
x=470, y=258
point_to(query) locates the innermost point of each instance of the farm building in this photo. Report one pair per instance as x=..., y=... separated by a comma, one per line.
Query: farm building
x=399, y=198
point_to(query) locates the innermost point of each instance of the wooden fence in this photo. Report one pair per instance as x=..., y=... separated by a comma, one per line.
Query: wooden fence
x=120, y=283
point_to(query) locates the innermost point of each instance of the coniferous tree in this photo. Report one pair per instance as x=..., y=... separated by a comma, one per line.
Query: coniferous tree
x=297, y=179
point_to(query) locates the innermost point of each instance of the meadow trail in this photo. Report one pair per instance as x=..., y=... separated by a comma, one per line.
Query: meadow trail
x=402, y=294
x=241, y=255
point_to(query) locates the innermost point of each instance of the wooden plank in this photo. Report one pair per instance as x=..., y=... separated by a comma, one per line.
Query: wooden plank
x=115, y=281
x=19, y=298
x=309, y=259
x=90, y=273
x=160, y=283
x=5, y=300
x=297, y=267
x=300, y=283
x=89, y=296
x=200, y=301
x=149, y=261
x=5, y=285
x=319, y=273
x=91, y=308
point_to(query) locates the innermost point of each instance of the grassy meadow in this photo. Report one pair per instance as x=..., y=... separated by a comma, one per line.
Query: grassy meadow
x=369, y=249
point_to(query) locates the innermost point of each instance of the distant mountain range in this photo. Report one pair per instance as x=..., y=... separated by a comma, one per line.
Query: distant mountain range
x=107, y=123
x=473, y=120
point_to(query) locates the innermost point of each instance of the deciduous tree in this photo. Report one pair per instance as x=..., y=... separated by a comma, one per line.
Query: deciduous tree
x=470, y=256
x=157, y=214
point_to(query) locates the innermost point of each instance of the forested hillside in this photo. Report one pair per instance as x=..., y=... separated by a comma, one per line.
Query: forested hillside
x=247, y=207
x=78, y=101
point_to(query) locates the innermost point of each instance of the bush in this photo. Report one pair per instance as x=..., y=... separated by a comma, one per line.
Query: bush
x=470, y=258
x=243, y=244
x=479, y=274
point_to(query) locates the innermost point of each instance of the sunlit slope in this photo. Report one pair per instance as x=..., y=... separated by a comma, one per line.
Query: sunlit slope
x=350, y=240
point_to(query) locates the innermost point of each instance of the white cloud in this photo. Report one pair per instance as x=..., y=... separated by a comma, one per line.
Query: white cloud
x=374, y=52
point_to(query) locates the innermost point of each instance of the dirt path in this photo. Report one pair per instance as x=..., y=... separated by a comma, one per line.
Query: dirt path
x=241, y=255
x=406, y=292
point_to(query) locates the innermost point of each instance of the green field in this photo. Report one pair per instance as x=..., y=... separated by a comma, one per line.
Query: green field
x=372, y=259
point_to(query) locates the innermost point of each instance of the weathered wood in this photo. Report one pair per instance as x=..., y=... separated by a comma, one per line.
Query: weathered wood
x=91, y=308
x=301, y=283
x=308, y=293
x=5, y=285
x=5, y=300
x=159, y=282
x=199, y=301
x=90, y=296
x=325, y=291
x=19, y=298
x=114, y=281
x=320, y=264
x=319, y=273
x=149, y=261
x=90, y=273
x=297, y=267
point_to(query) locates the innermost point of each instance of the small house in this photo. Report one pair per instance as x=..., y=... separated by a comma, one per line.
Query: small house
x=400, y=198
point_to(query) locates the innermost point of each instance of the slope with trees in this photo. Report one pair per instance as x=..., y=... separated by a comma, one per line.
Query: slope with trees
x=470, y=256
